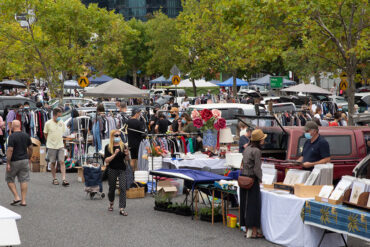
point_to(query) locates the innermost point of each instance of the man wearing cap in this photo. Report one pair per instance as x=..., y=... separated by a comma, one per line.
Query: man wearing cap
x=316, y=149
x=135, y=133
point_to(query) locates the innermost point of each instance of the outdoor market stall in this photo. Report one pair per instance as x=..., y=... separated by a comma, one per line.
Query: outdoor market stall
x=198, y=161
x=337, y=218
x=281, y=221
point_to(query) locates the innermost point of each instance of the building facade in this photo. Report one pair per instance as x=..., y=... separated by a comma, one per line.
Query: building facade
x=140, y=9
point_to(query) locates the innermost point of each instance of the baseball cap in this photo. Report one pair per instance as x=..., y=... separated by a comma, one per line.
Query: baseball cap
x=135, y=111
x=311, y=125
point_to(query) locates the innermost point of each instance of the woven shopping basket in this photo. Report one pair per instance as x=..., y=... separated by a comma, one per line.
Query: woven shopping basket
x=138, y=192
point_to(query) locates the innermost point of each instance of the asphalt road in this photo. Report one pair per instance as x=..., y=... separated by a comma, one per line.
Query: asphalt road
x=58, y=216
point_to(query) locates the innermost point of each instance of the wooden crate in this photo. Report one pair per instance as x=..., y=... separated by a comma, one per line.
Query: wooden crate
x=330, y=201
x=307, y=191
x=35, y=167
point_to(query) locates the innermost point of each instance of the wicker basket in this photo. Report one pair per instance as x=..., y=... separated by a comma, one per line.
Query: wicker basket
x=133, y=193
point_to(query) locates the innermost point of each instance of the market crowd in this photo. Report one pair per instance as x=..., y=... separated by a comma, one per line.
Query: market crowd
x=172, y=117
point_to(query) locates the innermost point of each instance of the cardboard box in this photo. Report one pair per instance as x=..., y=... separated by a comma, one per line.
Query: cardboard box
x=166, y=188
x=35, y=167
x=43, y=156
x=80, y=175
x=43, y=168
x=35, y=158
x=307, y=191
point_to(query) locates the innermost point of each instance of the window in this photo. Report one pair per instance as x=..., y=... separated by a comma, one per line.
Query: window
x=229, y=114
x=367, y=141
x=335, y=150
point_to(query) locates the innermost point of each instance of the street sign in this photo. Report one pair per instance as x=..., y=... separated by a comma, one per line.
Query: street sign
x=343, y=85
x=83, y=81
x=343, y=75
x=276, y=81
x=176, y=80
x=174, y=70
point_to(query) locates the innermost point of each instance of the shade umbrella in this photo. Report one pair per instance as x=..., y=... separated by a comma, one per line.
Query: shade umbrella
x=161, y=80
x=116, y=89
x=229, y=83
x=306, y=88
x=198, y=83
x=12, y=83
x=71, y=84
x=99, y=79
x=265, y=81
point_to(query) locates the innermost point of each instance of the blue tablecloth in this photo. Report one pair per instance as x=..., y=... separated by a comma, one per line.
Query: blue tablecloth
x=337, y=218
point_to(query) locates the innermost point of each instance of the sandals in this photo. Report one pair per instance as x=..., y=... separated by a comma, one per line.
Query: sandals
x=65, y=183
x=15, y=202
x=258, y=235
x=110, y=208
x=123, y=212
x=55, y=182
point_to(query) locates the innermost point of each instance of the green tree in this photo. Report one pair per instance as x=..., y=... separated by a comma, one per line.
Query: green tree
x=59, y=36
x=134, y=49
x=164, y=38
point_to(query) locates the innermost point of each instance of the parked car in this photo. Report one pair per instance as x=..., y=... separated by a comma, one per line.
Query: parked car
x=263, y=89
x=229, y=111
x=348, y=146
x=9, y=101
x=362, y=170
x=340, y=101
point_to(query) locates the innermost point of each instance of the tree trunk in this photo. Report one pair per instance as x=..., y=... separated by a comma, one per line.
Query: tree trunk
x=351, y=95
x=317, y=79
x=234, y=85
x=194, y=87
x=134, y=75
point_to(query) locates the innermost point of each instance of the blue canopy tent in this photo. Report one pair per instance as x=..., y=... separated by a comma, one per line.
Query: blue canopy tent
x=265, y=81
x=229, y=83
x=99, y=80
x=161, y=80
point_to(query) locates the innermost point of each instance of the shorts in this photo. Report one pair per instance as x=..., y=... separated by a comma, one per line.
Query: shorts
x=54, y=155
x=20, y=169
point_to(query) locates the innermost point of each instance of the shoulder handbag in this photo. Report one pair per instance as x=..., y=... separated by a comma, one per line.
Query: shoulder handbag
x=245, y=182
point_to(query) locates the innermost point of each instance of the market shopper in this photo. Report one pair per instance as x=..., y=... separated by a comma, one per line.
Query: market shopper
x=176, y=119
x=54, y=130
x=250, y=200
x=245, y=135
x=337, y=120
x=115, y=156
x=316, y=149
x=18, y=153
x=187, y=123
x=162, y=124
x=135, y=133
x=123, y=117
x=2, y=136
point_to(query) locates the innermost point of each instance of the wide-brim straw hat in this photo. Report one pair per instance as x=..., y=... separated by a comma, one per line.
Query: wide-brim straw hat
x=258, y=135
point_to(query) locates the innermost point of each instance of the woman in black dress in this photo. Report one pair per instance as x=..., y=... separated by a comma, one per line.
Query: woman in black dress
x=250, y=200
x=115, y=155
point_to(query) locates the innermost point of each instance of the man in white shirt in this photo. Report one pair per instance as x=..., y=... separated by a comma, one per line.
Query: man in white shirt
x=53, y=130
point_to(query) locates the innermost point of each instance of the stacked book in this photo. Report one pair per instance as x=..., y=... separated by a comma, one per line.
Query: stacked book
x=269, y=173
x=321, y=175
x=295, y=176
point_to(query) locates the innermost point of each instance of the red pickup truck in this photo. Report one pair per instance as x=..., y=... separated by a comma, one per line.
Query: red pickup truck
x=348, y=146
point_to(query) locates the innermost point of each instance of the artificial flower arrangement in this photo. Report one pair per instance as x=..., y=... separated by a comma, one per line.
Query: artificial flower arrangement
x=208, y=120
x=155, y=151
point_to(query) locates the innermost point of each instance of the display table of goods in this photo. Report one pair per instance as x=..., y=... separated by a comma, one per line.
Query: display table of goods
x=196, y=160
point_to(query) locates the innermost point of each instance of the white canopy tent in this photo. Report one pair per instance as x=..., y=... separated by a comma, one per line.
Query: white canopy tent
x=198, y=83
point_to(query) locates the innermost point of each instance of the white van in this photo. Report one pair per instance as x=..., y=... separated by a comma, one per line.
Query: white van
x=229, y=111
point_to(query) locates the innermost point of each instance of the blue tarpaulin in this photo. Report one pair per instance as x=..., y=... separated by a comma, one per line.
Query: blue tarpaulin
x=99, y=80
x=229, y=83
x=265, y=81
x=192, y=175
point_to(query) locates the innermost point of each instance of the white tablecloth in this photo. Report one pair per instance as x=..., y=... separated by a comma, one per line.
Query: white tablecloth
x=8, y=214
x=197, y=162
x=282, y=223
